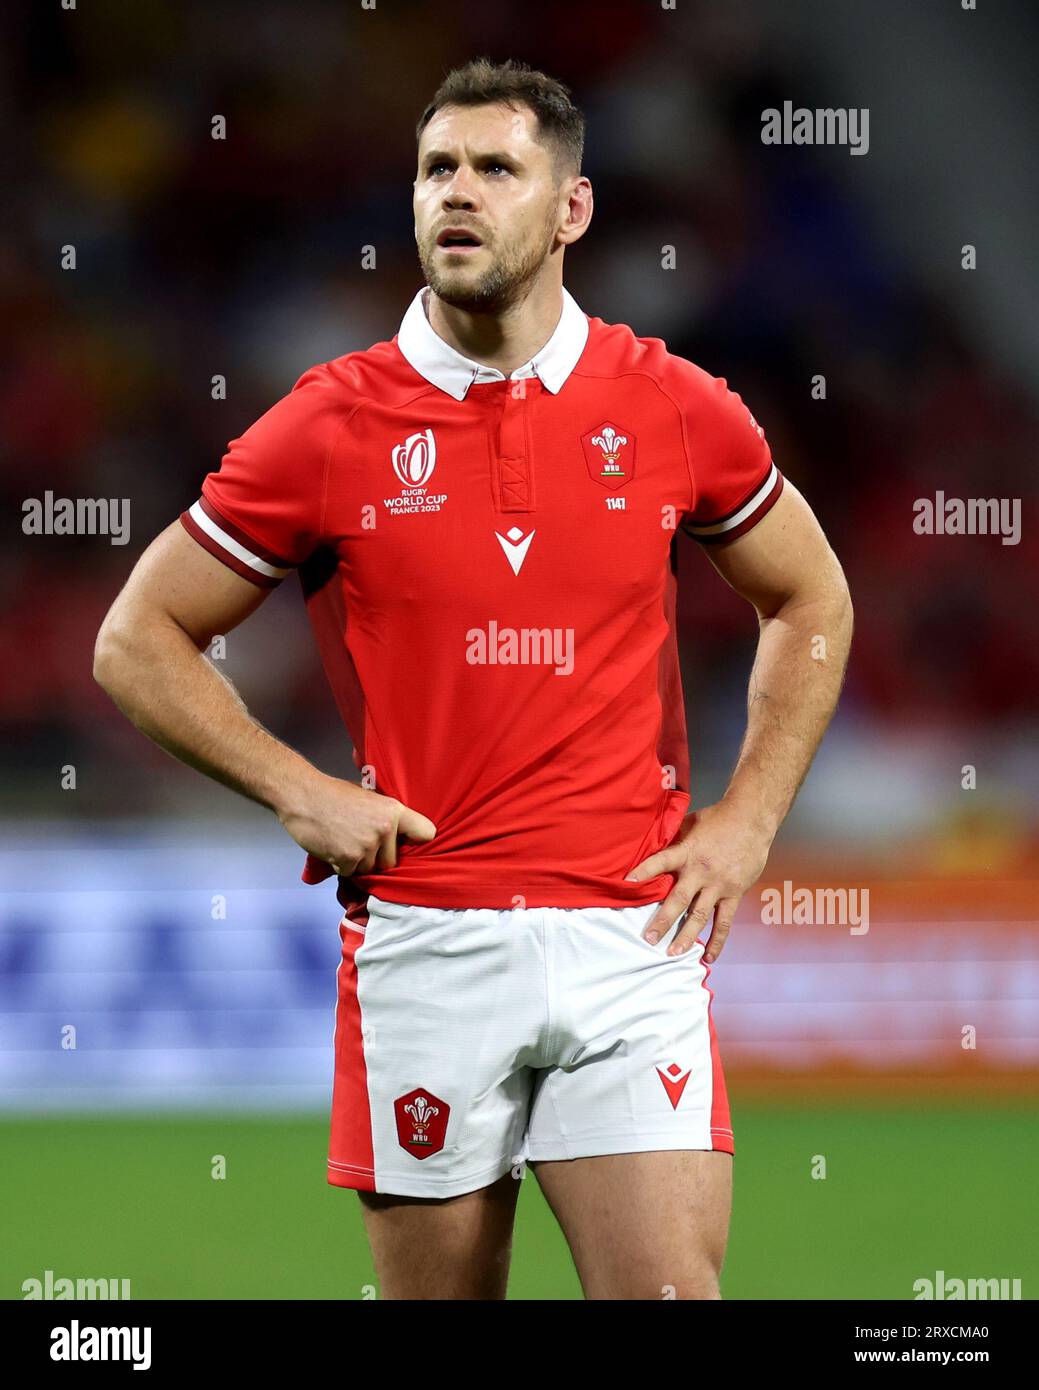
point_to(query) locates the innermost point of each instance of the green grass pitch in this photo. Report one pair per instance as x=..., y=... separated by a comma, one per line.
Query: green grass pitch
x=909, y=1190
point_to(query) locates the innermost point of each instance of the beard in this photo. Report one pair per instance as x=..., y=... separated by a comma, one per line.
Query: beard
x=504, y=283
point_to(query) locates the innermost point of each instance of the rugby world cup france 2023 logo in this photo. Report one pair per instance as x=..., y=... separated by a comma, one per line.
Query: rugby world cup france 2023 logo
x=413, y=463
x=415, y=459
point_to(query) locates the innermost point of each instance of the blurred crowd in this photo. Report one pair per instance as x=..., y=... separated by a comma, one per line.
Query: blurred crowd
x=243, y=257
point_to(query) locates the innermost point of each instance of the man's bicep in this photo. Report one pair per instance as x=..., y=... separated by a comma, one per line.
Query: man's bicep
x=177, y=580
x=786, y=556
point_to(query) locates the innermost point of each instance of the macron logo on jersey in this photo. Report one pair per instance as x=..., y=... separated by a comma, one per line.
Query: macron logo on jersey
x=515, y=544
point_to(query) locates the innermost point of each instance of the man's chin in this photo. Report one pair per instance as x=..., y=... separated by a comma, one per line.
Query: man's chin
x=464, y=290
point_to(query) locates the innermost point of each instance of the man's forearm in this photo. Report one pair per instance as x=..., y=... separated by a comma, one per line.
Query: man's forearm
x=162, y=682
x=794, y=686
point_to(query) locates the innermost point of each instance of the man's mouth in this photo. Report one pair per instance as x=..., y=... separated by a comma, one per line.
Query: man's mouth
x=458, y=239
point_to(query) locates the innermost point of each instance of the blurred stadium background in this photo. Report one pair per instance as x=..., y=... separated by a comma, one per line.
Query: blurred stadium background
x=163, y=919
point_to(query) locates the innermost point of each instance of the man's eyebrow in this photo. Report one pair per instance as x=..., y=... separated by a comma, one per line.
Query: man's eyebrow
x=486, y=157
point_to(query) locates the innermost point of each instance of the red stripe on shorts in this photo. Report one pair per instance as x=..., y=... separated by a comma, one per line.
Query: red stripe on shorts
x=351, y=1155
x=721, y=1121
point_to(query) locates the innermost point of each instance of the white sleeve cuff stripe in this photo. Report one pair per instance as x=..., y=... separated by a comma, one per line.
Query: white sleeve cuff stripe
x=746, y=510
x=228, y=543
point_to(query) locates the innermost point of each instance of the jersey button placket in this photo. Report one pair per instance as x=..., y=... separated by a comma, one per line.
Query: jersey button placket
x=515, y=466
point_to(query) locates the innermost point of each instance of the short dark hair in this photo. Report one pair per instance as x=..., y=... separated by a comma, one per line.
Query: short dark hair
x=482, y=83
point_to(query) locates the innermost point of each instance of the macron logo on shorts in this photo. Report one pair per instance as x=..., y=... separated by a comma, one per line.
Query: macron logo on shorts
x=673, y=1080
x=421, y=1122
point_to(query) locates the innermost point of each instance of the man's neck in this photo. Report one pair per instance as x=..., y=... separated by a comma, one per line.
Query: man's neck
x=503, y=340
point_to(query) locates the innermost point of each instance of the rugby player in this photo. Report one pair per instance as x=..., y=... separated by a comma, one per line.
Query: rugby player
x=483, y=512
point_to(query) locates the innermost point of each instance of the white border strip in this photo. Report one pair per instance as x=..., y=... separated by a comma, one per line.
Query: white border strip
x=228, y=543
x=745, y=511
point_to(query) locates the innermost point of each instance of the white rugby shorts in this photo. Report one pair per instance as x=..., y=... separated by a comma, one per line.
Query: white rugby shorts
x=470, y=1040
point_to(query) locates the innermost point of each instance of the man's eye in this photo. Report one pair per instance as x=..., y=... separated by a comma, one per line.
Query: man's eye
x=435, y=170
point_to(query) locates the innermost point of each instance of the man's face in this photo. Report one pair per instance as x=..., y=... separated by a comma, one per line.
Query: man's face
x=487, y=205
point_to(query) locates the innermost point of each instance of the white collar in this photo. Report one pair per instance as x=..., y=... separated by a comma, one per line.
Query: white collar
x=454, y=373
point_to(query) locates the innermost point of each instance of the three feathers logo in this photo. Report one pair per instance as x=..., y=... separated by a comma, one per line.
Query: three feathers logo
x=421, y=1122
x=609, y=452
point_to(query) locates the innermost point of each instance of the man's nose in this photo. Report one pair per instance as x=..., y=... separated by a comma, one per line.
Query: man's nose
x=460, y=193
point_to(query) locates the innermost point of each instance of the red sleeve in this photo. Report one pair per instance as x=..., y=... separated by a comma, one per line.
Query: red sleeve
x=734, y=480
x=261, y=512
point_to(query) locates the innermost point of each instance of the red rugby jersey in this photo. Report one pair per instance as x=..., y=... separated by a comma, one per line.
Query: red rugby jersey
x=488, y=567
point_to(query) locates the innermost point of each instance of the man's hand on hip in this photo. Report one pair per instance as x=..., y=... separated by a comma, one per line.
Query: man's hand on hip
x=353, y=830
x=716, y=856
